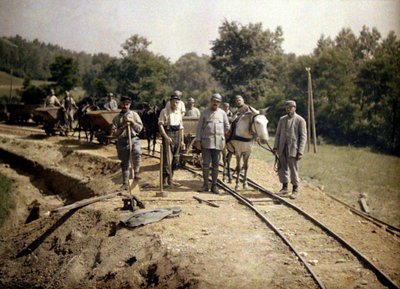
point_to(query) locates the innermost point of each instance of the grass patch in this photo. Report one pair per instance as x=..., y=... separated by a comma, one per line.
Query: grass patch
x=5, y=199
x=346, y=171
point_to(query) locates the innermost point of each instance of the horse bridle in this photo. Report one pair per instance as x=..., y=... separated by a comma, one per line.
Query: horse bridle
x=268, y=148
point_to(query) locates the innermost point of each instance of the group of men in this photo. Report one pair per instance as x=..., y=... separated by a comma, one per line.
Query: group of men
x=68, y=106
x=212, y=131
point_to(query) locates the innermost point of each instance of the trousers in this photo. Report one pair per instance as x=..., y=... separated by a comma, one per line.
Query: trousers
x=210, y=156
x=123, y=156
x=288, y=167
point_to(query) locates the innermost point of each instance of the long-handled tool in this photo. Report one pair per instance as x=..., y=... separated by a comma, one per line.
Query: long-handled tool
x=128, y=203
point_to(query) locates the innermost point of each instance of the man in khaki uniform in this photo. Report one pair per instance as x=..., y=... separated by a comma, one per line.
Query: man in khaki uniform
x=120, y=130
x=212, y=127
x=192, y=111
x=290, y=141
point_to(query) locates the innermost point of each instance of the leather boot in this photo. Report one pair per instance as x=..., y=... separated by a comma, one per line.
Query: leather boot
x=214, y=176
x=284, y=191
x=204, y=187
x=125, y=179
x=295, y=192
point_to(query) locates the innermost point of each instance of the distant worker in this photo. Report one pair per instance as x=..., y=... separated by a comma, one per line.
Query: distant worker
x=171, y=129
x=181, y=104
x=226, y=108
x=111, y=104
x=210, y=136
x=70, y=107
x=242, y=107
x=120, y=130
x=52, y=100
x=191, y=109
x=290, y=140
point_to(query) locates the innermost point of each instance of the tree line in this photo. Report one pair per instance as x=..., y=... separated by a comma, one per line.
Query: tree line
x=355, y=76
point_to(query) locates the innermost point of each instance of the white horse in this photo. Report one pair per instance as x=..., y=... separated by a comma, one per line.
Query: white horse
x=249, y=127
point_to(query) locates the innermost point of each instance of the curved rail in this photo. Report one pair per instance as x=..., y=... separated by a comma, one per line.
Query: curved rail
x=382, y=277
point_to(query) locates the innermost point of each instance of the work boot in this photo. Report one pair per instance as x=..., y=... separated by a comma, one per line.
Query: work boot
x=203, y=189
x=172, y=183
x=137, y=176
x=165, y=182
x=215, y=190
x=284, y=191
x=214, y=177
x=125, y=180
x=295, y=192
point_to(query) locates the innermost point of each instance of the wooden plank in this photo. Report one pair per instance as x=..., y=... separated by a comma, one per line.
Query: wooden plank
x=364, y=205
x=85, y=202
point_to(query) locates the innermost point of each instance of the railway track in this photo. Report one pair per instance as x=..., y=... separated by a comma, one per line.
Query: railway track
x=325, y=255
x=328, y=253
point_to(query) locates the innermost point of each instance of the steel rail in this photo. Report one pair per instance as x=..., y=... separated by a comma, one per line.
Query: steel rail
x=388, y=227
x=382, y=277
x=246, y=202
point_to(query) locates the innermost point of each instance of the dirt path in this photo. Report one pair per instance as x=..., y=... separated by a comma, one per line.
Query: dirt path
x=205, y=247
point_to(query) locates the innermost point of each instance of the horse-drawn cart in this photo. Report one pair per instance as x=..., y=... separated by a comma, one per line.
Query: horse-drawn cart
x=100, y=122
x=53, y=120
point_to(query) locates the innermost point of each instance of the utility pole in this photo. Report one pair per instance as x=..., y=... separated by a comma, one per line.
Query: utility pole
x=311, y=108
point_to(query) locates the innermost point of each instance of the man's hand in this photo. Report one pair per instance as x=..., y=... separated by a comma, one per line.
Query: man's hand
x=182, y=145
x=169, y=140
x=275, y=151
x=299, y=156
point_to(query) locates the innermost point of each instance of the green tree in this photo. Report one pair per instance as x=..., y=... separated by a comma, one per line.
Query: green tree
x=64, y=71
x=192, y=74
x=140, y=74
x=247, y=60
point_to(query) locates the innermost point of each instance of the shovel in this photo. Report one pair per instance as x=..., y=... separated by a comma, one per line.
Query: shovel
x=132, y=184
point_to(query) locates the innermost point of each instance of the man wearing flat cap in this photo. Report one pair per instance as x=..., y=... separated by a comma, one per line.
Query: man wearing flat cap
x=111, y=103
x=192, y=111
x=171, y=129
x=212, y=127
x=290, y=141
x=120, y=130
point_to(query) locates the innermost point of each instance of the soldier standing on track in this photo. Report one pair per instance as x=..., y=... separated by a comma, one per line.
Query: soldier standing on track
x=69, y=105
x=192, y=110
x=290, y=141
x=171, y=129
x=111, y=103
x=119, y=129
x=210, y=136
x=51, y=100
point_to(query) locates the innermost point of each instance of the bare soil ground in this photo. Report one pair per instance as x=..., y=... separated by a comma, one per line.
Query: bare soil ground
x=204, y=247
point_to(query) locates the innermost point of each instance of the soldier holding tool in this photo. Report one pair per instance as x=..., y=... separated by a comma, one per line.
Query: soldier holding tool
x=171, y=129
x=127, y=119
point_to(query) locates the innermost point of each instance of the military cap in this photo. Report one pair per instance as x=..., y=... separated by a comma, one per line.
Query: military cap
x=290, y=103
x=178, y=93
x=174, y=96
x=125, y=98
x=217, y=97
x=191, y=99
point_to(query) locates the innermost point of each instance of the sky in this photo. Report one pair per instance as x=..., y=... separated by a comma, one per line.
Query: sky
x=177, y=27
